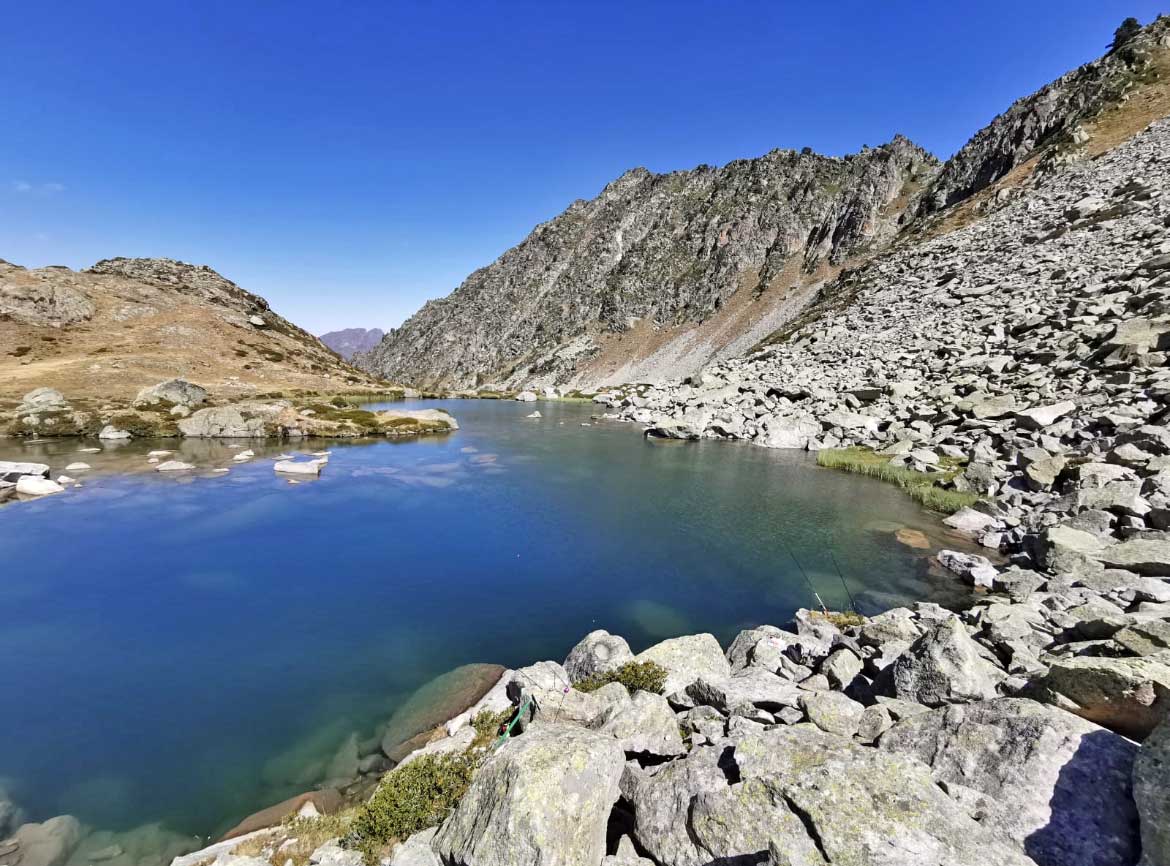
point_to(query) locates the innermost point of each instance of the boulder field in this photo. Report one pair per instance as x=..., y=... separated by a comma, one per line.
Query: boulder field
x=916, y=736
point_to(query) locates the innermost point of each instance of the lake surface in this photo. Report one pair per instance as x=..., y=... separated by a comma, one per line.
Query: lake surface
x=188, y=650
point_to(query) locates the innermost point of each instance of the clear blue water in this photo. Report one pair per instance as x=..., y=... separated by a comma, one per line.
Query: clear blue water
x=190, y=650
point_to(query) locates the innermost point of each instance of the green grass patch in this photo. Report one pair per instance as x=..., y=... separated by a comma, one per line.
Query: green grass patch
x=923, y=487
x=409, y=799
x=635, y=676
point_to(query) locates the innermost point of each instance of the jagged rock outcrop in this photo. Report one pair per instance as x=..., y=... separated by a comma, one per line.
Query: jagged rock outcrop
x=1045, y=120
x=665, y=250
x=352, y=341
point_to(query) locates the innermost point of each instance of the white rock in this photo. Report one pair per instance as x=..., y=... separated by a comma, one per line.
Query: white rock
x=243, y=456
x=526, y=397
x=159, y=453
x=292, y=467
x=77, y=467
x=65, y=479
x=534, y=415
x=173, y=466
x=35, y=485
x=112, y=432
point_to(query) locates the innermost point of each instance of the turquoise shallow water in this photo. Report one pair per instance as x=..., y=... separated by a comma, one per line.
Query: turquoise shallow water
x=191, y=649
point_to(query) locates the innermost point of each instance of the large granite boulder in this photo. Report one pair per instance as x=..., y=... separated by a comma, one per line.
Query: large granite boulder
x=944, y=666
x=644, y=725
x=686, y=659
x=751, y=685
x=597, y=652
x=813, y=797
x=542, y=799
x=1127, y=695
x=1151, y=792
x=1057, y=785
x=176, y=392
x=229, y=422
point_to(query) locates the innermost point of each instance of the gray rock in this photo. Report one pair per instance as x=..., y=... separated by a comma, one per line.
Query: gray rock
x=416, y=851
x=1144, y=556
x=1151, y=793
x=597, y=652
x=686, y=659
x=833, y=712
x=1057, y=785
x=976, y=569
x=542, y=798
x=180, y=392
x=944, y=666
x=626, y=855
x=1127, y=695
x=752, y=685
x=644, y=725
x=865, y=806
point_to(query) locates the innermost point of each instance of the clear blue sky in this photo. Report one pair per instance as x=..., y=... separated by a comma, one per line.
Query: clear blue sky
x=350, y=160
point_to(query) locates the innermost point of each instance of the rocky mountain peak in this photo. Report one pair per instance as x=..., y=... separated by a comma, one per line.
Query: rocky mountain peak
x=666, y=249
x=1047, y=119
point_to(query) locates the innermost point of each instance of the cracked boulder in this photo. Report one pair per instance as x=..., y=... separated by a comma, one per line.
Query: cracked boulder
x=1057, y=785
x=944, y=666
x=541, y=798
x=815, y=799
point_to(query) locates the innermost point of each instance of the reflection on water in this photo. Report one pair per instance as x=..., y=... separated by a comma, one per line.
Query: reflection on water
x=191, y=648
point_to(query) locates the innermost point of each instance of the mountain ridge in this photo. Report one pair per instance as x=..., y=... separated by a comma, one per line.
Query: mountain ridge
x=590, y=314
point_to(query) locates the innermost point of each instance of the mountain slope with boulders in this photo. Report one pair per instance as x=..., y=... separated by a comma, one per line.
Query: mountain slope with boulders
x=663, y=274
x=125, y=324
x=648, y=259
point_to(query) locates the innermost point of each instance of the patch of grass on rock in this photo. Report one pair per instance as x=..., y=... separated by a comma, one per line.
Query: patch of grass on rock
x=635, y=676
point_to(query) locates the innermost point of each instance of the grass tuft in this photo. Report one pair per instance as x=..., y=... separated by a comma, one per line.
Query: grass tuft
x=635, y=676
x=923, y=487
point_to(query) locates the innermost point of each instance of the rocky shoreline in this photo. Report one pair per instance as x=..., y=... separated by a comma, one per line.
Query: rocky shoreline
x=1032, y=728
x=175, y=410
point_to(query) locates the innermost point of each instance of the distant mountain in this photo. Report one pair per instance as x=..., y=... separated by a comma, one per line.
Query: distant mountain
x=350, y=341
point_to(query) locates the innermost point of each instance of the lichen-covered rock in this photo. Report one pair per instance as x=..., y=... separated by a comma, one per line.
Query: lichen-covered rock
x=751, y=685
x=597, y=652
x=542, y=799
x=944, y=666
x=833, y=712
x=815, y=797
x=178, y=392
x=1057, y=785
x=1127, y=695
x=644, y=725
x=416, y=851
x=1151, y=792
x=686, y=659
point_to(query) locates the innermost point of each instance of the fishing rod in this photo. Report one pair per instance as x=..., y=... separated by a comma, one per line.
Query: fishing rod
x=803, y=573
x=844, y=583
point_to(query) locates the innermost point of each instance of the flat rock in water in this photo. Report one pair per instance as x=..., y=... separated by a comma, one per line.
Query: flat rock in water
x=34, y=485
x=174, y=466
x=12, y=471
x=298, y=467
x=441, y=699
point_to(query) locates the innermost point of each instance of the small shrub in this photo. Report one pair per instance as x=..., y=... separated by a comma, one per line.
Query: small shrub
x=635, y=676
x=409, y=799
x=487, y=726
